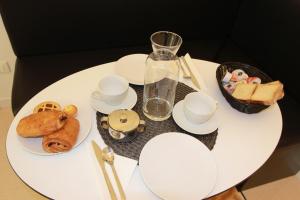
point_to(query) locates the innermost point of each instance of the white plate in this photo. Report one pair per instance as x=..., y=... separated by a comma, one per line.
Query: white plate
x=132, y=67
x=177, y=166
x=34, y=145
x=200, y=129
x=128, y=103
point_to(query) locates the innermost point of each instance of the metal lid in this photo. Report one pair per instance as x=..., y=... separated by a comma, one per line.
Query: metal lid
x=123, y=120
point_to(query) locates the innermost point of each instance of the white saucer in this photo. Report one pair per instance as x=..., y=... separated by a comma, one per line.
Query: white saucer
x=128, y=103
x=177, y=166
x=200, y=129
x=132, y=67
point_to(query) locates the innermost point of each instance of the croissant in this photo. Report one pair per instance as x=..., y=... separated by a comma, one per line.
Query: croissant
x=64, y=139
x=41, y=123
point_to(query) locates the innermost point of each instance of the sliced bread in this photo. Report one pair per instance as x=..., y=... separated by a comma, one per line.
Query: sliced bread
x=268, y=93
x=244, y=91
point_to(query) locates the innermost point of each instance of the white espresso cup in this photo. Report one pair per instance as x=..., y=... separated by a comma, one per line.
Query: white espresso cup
x=199, y=107
x=112, y=89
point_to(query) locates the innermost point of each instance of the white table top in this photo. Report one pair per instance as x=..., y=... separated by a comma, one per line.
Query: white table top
x=244, y=143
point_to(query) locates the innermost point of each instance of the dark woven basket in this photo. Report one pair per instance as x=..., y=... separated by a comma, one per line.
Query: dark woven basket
x=241, y=106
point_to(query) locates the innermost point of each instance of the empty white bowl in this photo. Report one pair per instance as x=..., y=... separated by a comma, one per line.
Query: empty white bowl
x=199, y=107
x=112, y=89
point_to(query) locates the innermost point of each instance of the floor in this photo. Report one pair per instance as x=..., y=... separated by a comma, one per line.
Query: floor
x=13, y=188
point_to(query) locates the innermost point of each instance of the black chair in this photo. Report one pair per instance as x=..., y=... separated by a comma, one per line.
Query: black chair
x=52, y=39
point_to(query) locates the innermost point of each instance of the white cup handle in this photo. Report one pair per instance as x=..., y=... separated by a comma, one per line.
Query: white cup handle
x=97, y=96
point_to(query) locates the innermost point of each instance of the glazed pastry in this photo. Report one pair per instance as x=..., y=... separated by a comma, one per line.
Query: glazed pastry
x=70, y=110
x=64, y=139
x=41, y=123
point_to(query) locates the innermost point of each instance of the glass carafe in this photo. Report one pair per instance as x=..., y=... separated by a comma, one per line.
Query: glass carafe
x=165, y=40
x=161, y=78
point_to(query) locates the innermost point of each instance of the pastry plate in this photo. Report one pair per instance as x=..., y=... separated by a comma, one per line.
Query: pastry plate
x=84, y=116
x=200, y=129
x=132, y=67
x=177, y=166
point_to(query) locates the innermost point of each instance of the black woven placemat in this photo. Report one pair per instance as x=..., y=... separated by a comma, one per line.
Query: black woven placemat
x=132, y=145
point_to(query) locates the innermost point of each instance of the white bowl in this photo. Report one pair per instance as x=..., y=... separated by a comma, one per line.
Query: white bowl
x=112, y=89
x=199, y=107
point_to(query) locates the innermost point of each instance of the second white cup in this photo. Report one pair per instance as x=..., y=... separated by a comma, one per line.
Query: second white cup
x=112, y=89
x=199, y=107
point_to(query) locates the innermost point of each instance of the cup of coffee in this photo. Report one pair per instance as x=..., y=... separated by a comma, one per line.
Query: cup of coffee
x=112, y=89
x=199, y=107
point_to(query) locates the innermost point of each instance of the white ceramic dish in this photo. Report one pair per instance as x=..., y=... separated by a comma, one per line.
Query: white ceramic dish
x=128, y=103
x=132, y=67
x=177, y=166
x=200, y=129
x=84, y=116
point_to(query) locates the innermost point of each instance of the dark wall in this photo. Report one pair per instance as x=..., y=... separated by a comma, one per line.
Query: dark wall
x=269, y=31
x=52, y=26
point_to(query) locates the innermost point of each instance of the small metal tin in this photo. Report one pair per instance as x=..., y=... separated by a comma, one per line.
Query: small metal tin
x=122, y=122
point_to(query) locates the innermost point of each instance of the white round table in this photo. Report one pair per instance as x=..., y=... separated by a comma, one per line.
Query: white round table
x=244, y=143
